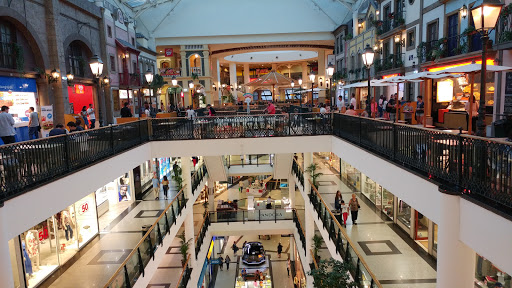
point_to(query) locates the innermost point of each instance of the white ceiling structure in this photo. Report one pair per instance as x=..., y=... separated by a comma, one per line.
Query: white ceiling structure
x=189, y=22
x=272, y=56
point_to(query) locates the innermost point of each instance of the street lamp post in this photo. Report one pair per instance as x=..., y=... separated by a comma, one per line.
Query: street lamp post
x=485, y=15
x=96, y=66
x=368, y=56
x=149, y=78
x=174, y=83
x=293, y=84
x=330, y=72
x=312, y=79
x=191, y=86
x=300, y=92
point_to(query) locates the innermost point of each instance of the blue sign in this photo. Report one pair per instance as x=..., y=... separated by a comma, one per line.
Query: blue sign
x=17, y=84
x=215, y=261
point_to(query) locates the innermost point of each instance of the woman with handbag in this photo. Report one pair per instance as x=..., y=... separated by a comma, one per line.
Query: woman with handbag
x=354, y=208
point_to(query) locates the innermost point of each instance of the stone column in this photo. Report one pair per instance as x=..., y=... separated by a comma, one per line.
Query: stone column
x=455, y=260
x=291, y=190
x=304, y=72
x=211, y=195
x=232, y=78
x=106, y=102
x=292, y=250
x=321, y=75
x=247, y=79
x=189, y=221
x=219, y=85
x=184, y=70
x=55, y=54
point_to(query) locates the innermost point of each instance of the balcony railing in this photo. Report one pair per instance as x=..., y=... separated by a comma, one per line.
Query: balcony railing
x=477, y=167
x=252, y=160
x=196, y=70
x=392, y=21
x=134, y=266
x=447, y=47
x=504, y=26
x=198, y=176
x=393, y=61
x=202, y=233
x=129, y=79
x=185, y=274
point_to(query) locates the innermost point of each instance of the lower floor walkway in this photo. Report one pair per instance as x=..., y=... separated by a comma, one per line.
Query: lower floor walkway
x=396, y=260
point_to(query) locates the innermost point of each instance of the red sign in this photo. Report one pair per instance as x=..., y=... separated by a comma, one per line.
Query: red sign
x=168, y=52
x=79, y=89
x=169, y=72
x=43, y=234
x=83, y=208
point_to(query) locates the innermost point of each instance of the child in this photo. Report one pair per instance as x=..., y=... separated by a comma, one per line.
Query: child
x=344, y=211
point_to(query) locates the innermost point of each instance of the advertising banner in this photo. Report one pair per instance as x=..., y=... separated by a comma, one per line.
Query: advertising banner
x=46, y=119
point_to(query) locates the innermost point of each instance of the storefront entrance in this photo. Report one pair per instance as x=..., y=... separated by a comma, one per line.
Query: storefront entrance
x=80, y=95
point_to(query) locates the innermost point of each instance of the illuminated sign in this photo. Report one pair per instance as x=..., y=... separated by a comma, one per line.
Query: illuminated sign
x=79, y=89
x=389, y=76
x=488, y=61
x=445, y=91
x=168, y=52
x=210, y=250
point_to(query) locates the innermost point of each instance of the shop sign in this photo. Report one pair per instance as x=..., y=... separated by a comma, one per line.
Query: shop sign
x=215, y=261
x=272, y=214
x=168, y=52
x=83, y=207
x=169, y=72
x=488, y=61
x=444, y=91
x=43, y=234
x=11, y=84
x=79, y=89
x=46, y=119
x=389, y=76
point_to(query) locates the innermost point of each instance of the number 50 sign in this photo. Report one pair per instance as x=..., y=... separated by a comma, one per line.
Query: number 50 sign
x=83, y=207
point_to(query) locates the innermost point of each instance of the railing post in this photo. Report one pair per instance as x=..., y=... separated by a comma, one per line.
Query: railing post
x=395, y=140
x=360, y=126
x=127, y=278
x=141, y=265
x=112, y=148
x=459, y=160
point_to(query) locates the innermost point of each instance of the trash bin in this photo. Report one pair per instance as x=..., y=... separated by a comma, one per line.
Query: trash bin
x=145, y=229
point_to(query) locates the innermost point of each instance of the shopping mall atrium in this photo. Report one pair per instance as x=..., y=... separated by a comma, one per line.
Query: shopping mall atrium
x=269, y=143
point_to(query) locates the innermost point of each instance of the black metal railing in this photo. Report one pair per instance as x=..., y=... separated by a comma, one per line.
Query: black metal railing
x=504, y=27
x=390, y=22
x=475, y=166
x=392, y=61
x=300, y=230
x=25, y=165
x=198, y=176
x=134, y=266
x=202, y=233
x=298, y=171
x=185, y=274
x=251, y=160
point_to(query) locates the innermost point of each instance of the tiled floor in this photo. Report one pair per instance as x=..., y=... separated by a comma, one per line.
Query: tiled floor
x=97, y=263
x=391, y=259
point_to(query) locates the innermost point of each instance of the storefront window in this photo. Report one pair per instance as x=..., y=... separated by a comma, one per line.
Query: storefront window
x=421, y=227
x=435, y=238
x=488, y=275
x=66, y=233
x=404, y=213
x=369, y=188
x=387, y=203
x=86, y=220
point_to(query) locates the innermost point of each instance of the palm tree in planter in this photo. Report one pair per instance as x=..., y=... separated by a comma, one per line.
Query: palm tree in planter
x=311, y=169
x=317, y=243
x=332, y=273
x=184, y=246
x=177, y=178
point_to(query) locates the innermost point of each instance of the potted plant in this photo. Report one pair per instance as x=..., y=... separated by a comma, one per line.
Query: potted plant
x=317, y=243
x=311, y=169
x=332, y=273
x=184, y=246
x=177, y=178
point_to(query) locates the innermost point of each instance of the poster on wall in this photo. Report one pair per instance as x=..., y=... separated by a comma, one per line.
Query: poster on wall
x=124, y=193
x=46, y=119
x=19, y=94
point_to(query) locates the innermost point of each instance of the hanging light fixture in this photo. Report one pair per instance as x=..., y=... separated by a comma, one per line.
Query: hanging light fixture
x=174, y=81
x=464, y=11
x=149, y=76
x=96, y=66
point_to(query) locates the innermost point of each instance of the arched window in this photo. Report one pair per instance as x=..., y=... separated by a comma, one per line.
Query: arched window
x=76, y=59
x=7, y=43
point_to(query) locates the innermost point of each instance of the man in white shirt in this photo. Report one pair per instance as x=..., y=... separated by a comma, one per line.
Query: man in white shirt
x=191, y=114
x=7, y=131
x=353, y=101
x=92, y=116
x=340, y=103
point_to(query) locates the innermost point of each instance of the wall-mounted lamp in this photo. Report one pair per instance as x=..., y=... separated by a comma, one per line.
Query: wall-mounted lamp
x=320, y=81
x=70, y=78
x=377, y=49
x=300, y=82
x=174, y=81
x=214, y=87
x=223, y=85
x=464, y=11
x=53, y=76
x=377, y=12
x=398, y=40
x=105, y=81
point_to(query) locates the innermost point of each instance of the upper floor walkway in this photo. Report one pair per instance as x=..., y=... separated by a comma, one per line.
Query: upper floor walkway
x=475, y=167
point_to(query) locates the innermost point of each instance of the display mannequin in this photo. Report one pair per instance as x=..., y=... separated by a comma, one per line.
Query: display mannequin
x=26, y=260
x=66, y=225
x=32, y=243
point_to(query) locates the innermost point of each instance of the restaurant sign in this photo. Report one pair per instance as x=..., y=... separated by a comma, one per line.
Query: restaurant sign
x=169, y=72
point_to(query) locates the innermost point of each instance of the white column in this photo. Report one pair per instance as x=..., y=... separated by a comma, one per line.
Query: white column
x=189, y=221
x=219, y=85
x=304, y=72
x=292, y=249
x=310, y=232
x=291, y=190
x=232, y=78
x=246, y=74
x=5, y=263
x=211, y=194
x=321, y=75
x=184, y=71
x=308, y=160
x=455, y=260
x=206, y=59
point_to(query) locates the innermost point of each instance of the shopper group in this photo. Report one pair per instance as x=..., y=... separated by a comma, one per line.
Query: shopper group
x=342, y=208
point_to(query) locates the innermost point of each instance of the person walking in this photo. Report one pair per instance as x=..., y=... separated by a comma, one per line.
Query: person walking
x=235, y=248
x=227, y=262
x=156, y=186
x=33, y=124
x=344, y=212
x=165, y=186
x=288, y=266
x=92, y=116
x=125, y=111
x=221, y=263
x=354, y=208
x=337, y=200
x=83, y=114
x=7, y=131
x=420, y=109
x=279, y=250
